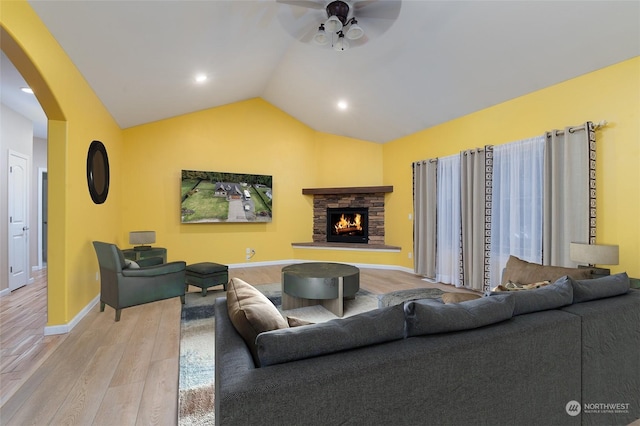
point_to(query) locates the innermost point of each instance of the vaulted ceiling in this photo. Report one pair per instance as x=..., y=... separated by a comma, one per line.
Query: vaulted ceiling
x=437, y=61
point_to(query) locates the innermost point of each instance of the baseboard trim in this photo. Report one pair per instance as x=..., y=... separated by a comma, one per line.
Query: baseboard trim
x=66, y=328
x=5, y=292
x=267, y=263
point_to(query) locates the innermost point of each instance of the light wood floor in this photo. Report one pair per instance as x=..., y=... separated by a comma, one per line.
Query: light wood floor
x=108, y=373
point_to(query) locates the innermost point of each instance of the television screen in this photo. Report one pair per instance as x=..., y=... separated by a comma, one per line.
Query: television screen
x=219, y=197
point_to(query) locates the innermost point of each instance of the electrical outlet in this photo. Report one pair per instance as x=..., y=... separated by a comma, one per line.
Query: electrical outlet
x=410, y=255
x=97, y=276
x=250, y=253
x=410, y=216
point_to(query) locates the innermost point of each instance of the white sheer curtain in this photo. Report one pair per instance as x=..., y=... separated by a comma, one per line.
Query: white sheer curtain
x=517, y=207
x=448, y=226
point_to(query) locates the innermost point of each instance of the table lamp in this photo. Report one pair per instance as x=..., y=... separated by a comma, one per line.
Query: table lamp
x=594, y=254
x=142, y=238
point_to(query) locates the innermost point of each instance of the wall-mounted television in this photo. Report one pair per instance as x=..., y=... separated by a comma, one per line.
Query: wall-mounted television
x=221, y=197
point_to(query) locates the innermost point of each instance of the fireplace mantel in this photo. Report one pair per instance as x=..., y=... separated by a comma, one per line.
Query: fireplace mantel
x=348, y=190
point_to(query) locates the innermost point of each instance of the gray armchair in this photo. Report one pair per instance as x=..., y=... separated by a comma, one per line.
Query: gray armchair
x=122, y=286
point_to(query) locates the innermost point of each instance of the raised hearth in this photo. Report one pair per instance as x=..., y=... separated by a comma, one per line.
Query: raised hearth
x=347, y=246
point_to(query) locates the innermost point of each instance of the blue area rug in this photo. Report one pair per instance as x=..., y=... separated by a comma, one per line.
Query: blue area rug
x=197, y=360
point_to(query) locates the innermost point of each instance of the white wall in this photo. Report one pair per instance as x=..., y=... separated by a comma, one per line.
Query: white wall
x=16, y=134
x=38, y=161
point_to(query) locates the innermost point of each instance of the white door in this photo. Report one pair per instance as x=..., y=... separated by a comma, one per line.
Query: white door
x=18, y=220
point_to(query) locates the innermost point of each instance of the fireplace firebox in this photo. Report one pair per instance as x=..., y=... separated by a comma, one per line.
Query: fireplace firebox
x=348, y=225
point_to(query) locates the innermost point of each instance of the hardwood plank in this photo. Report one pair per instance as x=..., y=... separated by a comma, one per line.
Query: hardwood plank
x=168, y=342
x=23, y=316
x=159, y=405
x=120, y=405
x=85, y=398
x=134, y=365
x=58, y=378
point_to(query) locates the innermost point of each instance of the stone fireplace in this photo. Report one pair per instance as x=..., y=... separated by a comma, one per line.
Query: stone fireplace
x=349, y=200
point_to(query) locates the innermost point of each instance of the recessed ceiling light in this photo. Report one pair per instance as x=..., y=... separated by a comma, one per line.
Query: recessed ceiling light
x=342, y=105
x=201, y=78
x=27, y=90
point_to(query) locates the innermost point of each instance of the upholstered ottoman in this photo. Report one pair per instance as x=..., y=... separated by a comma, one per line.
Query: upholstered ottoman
x=206, y=274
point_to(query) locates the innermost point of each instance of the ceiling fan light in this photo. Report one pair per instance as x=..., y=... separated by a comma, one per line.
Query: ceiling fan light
x=342, y=44
x=321, y=36
x=354, y=32
x=333, y=24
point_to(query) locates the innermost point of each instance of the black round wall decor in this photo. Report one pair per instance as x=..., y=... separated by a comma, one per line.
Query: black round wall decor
x=98, y=172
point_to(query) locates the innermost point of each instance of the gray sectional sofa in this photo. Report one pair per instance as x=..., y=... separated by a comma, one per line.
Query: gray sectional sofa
x=567, y=353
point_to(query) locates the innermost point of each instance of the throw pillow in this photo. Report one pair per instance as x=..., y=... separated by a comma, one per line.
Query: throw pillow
x=599, y=288
x=552, y=296
x=521, y=271
x=130, y=264
x=251, y=313
x=458, y=297
x=297, y=322
x=430, y=316
x=368, y=328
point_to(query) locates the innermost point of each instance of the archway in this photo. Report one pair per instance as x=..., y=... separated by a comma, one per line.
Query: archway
x=57, y=140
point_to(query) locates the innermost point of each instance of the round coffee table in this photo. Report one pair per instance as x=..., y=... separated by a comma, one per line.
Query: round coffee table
x=319, y=283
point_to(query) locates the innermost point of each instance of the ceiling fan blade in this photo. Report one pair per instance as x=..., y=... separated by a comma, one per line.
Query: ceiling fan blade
x=388, y=9
x=303, y=3
x=363, y=3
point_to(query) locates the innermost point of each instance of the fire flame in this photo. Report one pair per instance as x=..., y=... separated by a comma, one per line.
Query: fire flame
x=345, y=225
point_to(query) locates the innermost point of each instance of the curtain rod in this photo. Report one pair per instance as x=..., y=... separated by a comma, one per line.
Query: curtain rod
x=596, y=126
x=431, y=160
x=600, y=124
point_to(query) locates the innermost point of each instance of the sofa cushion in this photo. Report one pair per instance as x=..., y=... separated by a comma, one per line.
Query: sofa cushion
x=552, y=296
x=458, y=297
x=522, y=272
x=251, y=313
x=368, y=328
x=429, y=316
x=599, y=288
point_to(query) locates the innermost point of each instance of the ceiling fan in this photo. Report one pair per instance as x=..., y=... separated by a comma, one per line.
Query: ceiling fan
x=342, y=24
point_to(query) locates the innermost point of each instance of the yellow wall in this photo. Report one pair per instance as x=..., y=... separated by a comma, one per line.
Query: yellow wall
x=246, y=137
x=76, y=117
x=610, y=94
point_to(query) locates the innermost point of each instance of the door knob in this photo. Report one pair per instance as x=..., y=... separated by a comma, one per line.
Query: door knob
x=26, y=228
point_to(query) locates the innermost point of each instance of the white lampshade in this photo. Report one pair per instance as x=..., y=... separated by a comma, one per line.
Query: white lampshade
x=593, y=254
x=333, y=24
x=354, y=32
x=321, y=36
x=142, y=237
x=341, y=44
